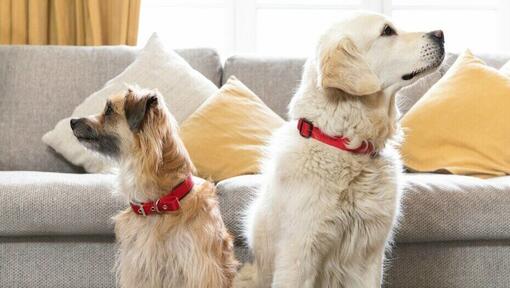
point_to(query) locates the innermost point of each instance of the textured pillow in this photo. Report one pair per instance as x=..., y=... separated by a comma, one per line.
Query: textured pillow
x=226, y=135
x=505, y=69
x=462, y=124
x=183, y=88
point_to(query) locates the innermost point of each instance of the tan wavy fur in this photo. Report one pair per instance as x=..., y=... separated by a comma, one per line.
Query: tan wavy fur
x=188, y=248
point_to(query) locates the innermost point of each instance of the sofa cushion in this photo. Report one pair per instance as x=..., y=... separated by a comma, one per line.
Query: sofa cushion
x=40, y=85
x=409, y=95
x=435, y=207
x=452, y=264
x=49, y=262
x=471, y=99
x=443, y=207
x=234, y=196
x=236, y=126
x=46, y=203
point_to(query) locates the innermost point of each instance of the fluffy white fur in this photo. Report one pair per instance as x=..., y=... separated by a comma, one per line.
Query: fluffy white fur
x=323, y=216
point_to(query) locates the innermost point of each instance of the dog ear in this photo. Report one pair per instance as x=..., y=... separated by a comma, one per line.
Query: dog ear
x=342, y=66
x=137, y=108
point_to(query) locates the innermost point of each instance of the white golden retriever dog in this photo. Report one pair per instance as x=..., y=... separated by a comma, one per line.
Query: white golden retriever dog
x=330, y=197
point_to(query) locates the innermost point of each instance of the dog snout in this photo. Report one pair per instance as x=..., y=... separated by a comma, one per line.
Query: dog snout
x=74, y=123
x=81, y=128
x=437, y=36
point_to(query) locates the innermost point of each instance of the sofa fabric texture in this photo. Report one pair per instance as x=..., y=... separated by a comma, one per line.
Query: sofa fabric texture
x=50, y=262
x=457, y=264
x=273, y=80
x=435, y=207
x=55, y=228
x=440, y=207
x=49, y=203
x=87, y=261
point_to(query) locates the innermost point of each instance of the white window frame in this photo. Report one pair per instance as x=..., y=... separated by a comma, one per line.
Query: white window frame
x=242, y=16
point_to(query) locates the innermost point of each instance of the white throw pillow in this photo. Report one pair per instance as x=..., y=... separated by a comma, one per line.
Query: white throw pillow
x=505, y=69
x=183, y=88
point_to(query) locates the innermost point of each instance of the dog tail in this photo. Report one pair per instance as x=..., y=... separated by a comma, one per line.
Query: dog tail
x=247, y=277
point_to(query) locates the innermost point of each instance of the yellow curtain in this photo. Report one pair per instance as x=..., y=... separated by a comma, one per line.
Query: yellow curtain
x=69, y=22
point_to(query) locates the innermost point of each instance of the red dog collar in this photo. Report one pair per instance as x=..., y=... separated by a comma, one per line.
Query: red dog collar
x=307, y=130
x=167, y=203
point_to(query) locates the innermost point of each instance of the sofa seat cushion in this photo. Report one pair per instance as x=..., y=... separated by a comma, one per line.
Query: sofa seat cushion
x=435, y=207
x=234, y=195
x=442, y=207
x=46, y=203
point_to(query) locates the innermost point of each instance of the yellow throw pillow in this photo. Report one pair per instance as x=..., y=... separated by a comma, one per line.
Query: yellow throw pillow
x=226, y=135
x=462, y=124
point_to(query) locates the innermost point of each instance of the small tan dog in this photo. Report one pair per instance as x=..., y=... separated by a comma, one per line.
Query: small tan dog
x=173, y=234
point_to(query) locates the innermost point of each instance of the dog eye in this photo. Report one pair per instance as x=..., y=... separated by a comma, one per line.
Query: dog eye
x=388, y=31
x=109, y=110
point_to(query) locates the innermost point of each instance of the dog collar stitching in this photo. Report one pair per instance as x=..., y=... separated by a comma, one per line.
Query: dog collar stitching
x=167, y=203
x=308, y=130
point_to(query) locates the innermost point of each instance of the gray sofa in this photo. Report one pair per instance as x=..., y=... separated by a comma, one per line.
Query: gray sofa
x=55, y=227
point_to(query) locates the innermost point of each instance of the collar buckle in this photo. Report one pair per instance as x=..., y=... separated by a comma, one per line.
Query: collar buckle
x=137, y=208
x=305, y=128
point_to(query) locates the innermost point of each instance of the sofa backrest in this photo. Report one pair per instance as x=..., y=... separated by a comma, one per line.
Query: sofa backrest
x=39, y=85
x=276, y=80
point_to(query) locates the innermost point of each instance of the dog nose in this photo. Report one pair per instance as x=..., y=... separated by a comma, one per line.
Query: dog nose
x=73, y=122
x=437, y=35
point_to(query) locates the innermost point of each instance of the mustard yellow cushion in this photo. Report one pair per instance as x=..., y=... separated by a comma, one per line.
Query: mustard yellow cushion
x=462, y=124
x=226, y=135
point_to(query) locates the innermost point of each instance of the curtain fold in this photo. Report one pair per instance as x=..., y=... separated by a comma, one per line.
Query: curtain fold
x=69, y=22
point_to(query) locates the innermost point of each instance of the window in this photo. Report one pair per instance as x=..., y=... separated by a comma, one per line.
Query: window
x=478, y=25
x=290, y=27
x=185, y=24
